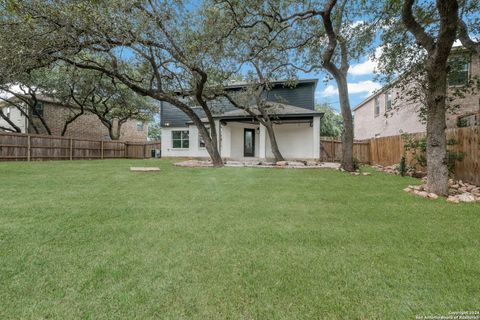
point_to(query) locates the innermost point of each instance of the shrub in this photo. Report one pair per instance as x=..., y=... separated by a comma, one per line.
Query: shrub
x=403, y=166
x=418, y=148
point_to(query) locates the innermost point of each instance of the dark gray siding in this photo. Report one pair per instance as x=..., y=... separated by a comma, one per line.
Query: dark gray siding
x=303, y=96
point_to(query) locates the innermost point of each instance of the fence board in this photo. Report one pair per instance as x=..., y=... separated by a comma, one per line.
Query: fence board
x=389, y=150
x=331, y=150
x=21, y=147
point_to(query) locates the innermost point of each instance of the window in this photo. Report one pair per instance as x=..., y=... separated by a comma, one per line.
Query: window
x=201, y=142
x=458, y=75
x=38, y=110
x=377, y=106
x=180, y=139
x=388, y=101
x=139, y=125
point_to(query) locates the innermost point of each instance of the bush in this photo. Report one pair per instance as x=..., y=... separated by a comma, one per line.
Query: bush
x=403, y=166
x=418, y=148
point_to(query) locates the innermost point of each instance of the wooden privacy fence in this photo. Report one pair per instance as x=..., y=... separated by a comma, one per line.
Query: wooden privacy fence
x=331, y=150
x=27, y=147
x=388, y=151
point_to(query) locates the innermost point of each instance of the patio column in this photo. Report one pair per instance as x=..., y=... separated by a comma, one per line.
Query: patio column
x=262, y=145
x=316, y=138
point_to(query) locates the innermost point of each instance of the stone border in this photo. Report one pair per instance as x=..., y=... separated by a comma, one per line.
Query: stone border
x=262, y=164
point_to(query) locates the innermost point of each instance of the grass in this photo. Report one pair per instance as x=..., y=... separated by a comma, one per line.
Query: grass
x=90, y=240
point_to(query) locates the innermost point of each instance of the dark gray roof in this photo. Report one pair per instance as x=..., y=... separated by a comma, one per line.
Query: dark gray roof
x=302, y=95
x=274, y=109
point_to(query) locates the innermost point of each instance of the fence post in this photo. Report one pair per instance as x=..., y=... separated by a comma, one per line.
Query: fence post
x=333, y=149
x=101, y=149
x=29, y=148
x=71, y=149
x=145, y=151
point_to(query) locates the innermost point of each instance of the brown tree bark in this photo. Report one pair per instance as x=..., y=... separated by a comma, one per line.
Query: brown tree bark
x=340, y=76
x=266, y=121
x=15, y=128
x=347, y=133
x=273, y=141
x=438, y=51
x=437, y=161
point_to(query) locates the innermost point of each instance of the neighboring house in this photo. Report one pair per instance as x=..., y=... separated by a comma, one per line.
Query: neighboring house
x=387, y=113
x=297, y=127
x=87, y=126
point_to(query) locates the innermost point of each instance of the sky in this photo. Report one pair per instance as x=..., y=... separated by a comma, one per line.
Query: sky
x=361, y=83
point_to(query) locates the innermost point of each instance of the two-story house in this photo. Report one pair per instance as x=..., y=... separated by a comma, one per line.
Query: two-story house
x=241, y=136
x=389, y=112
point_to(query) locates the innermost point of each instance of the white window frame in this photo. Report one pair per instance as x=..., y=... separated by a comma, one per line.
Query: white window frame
x=388, y=99
x=182, y=139
x=376, y=106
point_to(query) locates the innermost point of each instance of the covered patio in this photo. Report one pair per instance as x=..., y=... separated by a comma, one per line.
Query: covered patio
x=297, y=131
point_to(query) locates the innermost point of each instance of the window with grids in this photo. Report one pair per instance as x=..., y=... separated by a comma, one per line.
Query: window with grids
x=38, y=110
x=377, y=107
x=458, y=75
x=180, y=139
x=388, y=101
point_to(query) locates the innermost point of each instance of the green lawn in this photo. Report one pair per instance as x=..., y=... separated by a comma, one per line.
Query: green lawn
x=90, y=240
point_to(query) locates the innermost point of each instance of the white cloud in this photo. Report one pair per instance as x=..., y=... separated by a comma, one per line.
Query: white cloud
x=368, y=66
x=367, y=87
x=364, y=68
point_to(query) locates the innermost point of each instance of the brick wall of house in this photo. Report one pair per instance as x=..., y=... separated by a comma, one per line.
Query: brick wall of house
x=87, y=126
x=404, y=118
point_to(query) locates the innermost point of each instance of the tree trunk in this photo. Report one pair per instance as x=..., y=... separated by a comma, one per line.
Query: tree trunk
x=112, y=133
x=347, y=134
x=211, y=147
x=437, y=168
x=15, y=128
x=70, y=120
x=273, y=141
x=44, y=123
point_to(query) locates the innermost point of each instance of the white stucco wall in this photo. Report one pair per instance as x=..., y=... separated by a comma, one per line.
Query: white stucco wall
x=16, y=117
x=236, y=139
x=194, y=149
x=295, y=140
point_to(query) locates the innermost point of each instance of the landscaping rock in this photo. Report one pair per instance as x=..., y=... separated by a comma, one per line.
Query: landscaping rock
x=366, y=174
x=295, y=164
x=466, y=197
x=453, y=199
x=355, y=173
x=432, y=195
x=458, y=192
x=194, y=163
x=282, y=163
